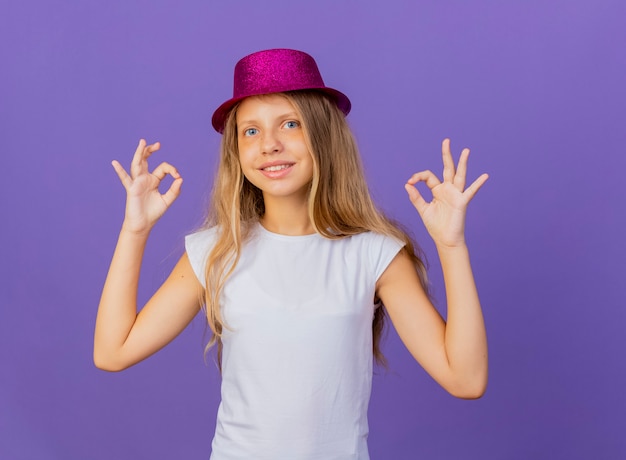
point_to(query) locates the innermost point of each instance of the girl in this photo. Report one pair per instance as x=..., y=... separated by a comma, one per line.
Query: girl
x=297, y=269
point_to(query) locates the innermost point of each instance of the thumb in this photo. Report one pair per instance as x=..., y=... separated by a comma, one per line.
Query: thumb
x=416, y=198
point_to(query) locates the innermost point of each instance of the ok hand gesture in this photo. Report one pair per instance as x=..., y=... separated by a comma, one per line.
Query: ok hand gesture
x=444, y=216
x=144, y=203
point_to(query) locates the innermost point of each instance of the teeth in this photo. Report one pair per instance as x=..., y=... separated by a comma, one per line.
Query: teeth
x=275, y=168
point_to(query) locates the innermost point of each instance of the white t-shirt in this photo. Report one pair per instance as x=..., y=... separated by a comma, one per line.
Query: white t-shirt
x=297, y=357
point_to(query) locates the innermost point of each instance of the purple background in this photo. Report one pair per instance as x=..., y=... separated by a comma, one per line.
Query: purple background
x=536, y=89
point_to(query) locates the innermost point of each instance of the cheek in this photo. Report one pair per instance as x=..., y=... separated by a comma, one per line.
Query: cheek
x=310, y=163
x=311, y=171
x=245, y=158
x=246, y=165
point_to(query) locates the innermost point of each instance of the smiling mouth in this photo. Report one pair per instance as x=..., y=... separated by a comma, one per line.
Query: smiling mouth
x=276, y=168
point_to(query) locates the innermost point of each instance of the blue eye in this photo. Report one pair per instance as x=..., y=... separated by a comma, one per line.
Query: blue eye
x=250, y=132
x=292, y=124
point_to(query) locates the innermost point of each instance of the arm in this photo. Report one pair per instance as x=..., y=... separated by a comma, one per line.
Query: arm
x=123, y=337
x=454, y=354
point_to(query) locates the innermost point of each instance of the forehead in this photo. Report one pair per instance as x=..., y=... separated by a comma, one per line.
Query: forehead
x=264, y=105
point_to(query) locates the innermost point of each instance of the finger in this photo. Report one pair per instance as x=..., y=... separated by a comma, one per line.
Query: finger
x=416, y=198
x=150, y=149
x=461, y=170
x=173, y=192
x=448, y=162
x=428, y=177
x=164, y=169
x=142, y=153
x=476, y=185
x=137, y=157
x=122, y=174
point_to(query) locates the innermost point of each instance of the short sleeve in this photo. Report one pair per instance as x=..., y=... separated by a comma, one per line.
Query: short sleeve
x=382, y=249
x=198, y=245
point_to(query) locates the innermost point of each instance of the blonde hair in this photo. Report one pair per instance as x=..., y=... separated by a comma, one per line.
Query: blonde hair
x=339, y=203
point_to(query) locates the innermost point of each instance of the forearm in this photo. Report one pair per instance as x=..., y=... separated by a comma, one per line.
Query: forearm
x=465, y=336
x=117, y=310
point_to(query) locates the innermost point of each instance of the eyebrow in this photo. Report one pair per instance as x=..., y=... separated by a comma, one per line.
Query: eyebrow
x=285, y=115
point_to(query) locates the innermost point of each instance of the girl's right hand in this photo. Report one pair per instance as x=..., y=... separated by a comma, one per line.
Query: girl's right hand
x=144, y=203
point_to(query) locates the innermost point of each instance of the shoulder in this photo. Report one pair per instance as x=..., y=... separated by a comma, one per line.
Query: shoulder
x=378, y=249
x=201, y=236
x=198, y=245
x=378, y=241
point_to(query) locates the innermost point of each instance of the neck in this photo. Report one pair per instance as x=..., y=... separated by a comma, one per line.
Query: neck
x=286, y=216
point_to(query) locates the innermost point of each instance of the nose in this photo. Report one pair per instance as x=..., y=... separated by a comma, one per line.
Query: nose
x=271, y=143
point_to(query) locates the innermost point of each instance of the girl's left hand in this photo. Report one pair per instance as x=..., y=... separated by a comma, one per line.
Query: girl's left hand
x=444, y=216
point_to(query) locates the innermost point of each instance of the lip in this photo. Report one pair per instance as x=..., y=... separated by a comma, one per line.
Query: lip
x=276, y=163
x=276, y=174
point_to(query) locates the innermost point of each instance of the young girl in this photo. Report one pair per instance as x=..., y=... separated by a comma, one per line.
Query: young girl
x=297, y=269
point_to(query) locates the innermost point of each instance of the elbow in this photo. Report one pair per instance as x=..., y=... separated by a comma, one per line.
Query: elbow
x=469, y=392
x=106, y=363
x=469, y=389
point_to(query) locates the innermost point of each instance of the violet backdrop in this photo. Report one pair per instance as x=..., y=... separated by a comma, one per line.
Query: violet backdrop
x=536, y=89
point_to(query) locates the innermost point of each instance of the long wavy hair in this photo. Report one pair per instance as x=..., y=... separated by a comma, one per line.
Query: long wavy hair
x=339, y=203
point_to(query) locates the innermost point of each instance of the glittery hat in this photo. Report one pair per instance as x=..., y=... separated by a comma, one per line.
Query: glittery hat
x=276, y=71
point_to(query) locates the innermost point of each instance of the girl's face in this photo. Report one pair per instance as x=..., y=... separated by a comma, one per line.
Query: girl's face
x=272, y=150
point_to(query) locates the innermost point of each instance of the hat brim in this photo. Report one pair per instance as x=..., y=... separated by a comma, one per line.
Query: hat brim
x=219, y=116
